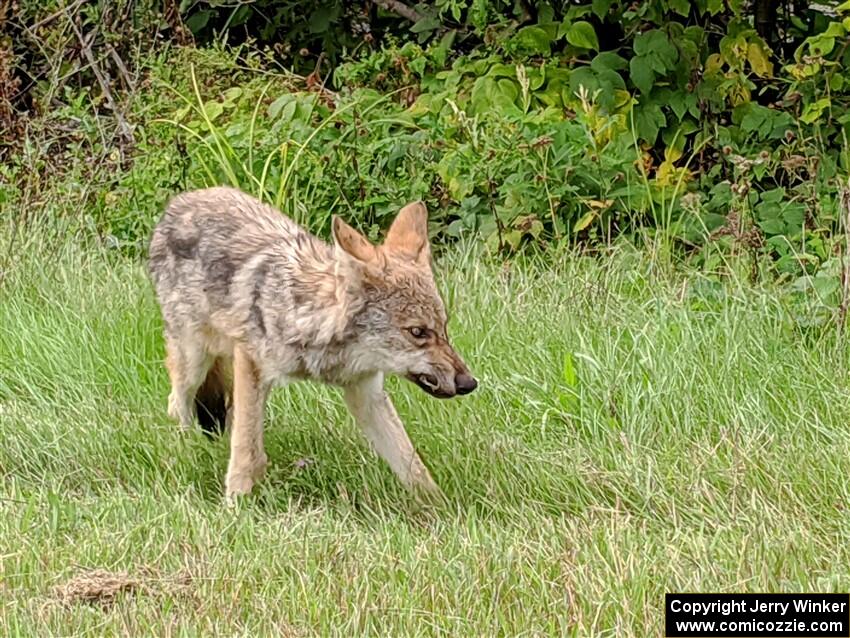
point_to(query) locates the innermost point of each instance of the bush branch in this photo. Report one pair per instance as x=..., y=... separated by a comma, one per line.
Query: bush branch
x=399, y=8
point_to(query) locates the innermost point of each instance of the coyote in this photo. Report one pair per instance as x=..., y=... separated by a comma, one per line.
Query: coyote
x=250, y=299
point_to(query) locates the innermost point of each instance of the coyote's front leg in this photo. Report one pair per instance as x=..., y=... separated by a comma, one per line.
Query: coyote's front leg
x=376, y=416
x=247, y=457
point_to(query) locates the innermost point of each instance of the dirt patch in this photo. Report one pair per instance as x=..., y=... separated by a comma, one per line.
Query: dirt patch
x=102, y=587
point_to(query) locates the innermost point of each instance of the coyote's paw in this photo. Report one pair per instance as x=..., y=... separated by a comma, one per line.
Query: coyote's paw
x=419, y=480
x=240, y=482
x=177, y=411
x=428, y=493
x=237, y=486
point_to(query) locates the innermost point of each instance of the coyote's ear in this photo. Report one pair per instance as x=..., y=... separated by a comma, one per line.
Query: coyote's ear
x=408, y=234
x=352, y=242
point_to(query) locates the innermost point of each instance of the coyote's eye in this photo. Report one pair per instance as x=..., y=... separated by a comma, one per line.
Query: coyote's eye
x=417, y=332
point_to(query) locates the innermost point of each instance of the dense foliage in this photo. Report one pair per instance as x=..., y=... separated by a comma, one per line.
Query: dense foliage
x=690, y=123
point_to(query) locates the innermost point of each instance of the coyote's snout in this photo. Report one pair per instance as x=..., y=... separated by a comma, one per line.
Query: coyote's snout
x=250, y=299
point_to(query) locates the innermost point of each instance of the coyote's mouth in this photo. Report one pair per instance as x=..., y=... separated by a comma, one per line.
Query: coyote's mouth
x=429, y=383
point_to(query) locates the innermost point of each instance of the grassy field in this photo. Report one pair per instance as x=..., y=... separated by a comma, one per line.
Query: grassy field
x=633, y=434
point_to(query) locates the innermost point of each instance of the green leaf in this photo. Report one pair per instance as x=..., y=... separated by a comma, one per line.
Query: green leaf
x=198, y=21
x=754, y=118
x=584, y=222
x=674, y=139
x=502, y=70
x=813, y=111
x=655, y=48
x=513, y=238
x=545, y=13
x=821, y=45
x=320, y=20
x=676, y=101
x=835, y=30
x=440, y=53
x=649, y=119
x=232, y=94
x=647, y=41
x=508, y=88
x=532, y=41
x=734, y=49
x=601, y=7
x=643, y=77
x=581, y=34
x=825, y=285
x=682, y=7
x=772, y=226
x=536, y=229
x=551, y=95
x=583, y=76
x=693, y=105
x=288, y=112
x=418, y=64
x=665, y=51
x=773, y=195
x=241, y=16
x=213, y=110
x=277, y=106
x=794, y=215
x=426, y=24
x=759, y=61
x=608, y=60
x=481, y=94
x=569, y=371
x=611, y=80
x=536, y=78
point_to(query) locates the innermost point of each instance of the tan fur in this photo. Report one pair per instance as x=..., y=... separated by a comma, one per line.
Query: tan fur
x=242, y=287
x=247, y=458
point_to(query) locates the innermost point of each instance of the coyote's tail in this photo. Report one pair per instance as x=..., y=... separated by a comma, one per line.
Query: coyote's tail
x=213, y=399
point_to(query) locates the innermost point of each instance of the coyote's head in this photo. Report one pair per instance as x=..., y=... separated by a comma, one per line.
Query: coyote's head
x=401, y=328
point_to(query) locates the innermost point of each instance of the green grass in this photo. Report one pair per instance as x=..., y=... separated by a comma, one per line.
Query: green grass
x=632, y=435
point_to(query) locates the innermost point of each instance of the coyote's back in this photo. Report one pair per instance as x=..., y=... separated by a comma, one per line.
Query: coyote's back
x=207, y=240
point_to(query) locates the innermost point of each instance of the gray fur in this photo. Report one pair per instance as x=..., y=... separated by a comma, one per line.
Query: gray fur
x=243, y=286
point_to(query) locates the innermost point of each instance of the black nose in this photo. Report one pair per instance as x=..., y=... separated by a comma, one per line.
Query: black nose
x=465, y=383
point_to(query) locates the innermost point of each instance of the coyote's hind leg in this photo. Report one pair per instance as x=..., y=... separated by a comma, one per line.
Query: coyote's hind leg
x=188, y=362
x=247, y=458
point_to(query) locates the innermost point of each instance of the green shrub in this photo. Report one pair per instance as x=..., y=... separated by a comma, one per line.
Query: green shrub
x=696, y=125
